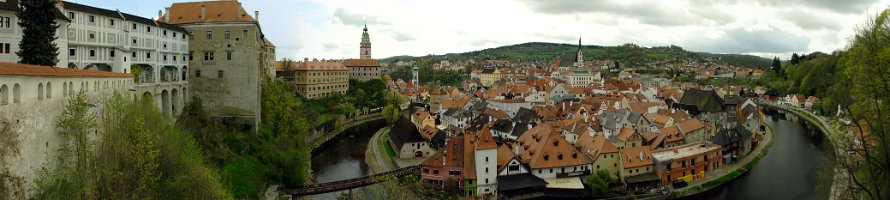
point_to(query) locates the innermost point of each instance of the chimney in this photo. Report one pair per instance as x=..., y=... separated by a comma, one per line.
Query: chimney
x=167, y=15
x=240, y=12
x=256, y=15
x=203, y=16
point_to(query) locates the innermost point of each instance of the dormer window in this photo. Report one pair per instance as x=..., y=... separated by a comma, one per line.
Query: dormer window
x=546, y=157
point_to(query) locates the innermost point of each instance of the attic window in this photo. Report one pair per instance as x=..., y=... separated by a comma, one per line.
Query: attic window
x=559, y=156
x=574, y=155
x=546, y=157
x=555, y=142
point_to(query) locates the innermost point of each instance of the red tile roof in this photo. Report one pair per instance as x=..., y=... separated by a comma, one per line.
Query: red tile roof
x=361, y=63
x=215, y=11
x=36, y=70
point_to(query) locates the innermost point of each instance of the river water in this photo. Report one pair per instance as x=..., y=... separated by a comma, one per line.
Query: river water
x=798, y=166
x=343, y=157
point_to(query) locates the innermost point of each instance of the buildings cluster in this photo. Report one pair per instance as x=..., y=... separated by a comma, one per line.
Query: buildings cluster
x=514, y=131
x=213, y=50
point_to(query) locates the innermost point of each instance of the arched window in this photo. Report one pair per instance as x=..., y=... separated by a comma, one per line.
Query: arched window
x=4, y=95
x=15, y=93
x=64, y=89
x=40, y=91
x=49, y=90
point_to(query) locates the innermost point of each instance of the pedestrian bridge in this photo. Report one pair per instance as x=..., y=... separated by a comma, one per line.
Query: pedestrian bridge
x=347, y=184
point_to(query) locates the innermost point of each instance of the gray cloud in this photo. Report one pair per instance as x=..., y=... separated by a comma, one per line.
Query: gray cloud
x=355, y=19
x=330, y=46
x=741, y=41
x=838, y=6
x=644, y=12
x=401, y=36
x=808, y=21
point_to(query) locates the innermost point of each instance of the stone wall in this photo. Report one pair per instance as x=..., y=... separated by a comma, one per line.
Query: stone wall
x=31, y=114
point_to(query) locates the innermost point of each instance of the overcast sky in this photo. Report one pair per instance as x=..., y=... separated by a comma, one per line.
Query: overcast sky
x=332, y=28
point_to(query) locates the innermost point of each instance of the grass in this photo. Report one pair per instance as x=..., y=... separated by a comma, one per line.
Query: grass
x=390, y=153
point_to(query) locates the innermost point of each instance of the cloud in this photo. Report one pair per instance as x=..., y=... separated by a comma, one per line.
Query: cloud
x=808, y=21
x=653, y=13
x=330, y=46
x=401, y=36
x=739, y=40
x=355, y=19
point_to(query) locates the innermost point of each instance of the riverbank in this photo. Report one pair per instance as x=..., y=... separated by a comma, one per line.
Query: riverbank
x=376, y=156
x=729, y=171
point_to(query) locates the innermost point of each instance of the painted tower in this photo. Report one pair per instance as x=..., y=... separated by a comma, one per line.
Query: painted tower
x=415, y=78
x=579, y=58
x=365, y=46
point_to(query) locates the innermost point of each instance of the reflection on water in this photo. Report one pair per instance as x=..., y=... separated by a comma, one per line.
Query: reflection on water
x=798, y=166
x=343, y=157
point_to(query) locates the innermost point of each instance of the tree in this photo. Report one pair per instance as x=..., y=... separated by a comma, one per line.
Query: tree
x=869, y=69
x=38, y=21
x=394, y=101
x=795, y=59
x=777, y=65
x=599, y=183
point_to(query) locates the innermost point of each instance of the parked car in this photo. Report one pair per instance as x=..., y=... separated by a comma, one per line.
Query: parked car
x=680, y=184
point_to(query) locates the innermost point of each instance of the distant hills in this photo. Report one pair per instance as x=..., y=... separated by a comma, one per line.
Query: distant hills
x=627, y=54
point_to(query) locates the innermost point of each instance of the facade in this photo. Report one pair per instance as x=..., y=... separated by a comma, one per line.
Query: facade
x=407, y=140
x=582, y=77
x=486, y=152
x=636, y=164
x=363, y=69
x=687, y=162
x=490, y=76
x=445, y=168
x=365, y=46
x=31, y=100
x=11, y=33
x=315, y=80
x=108, y=40
x=227, y=58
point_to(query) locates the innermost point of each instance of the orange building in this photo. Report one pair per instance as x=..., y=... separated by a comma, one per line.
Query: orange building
x=687, y=162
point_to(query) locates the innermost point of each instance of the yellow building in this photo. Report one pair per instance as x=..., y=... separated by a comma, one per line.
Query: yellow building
x=490, y=76
x=316, y=80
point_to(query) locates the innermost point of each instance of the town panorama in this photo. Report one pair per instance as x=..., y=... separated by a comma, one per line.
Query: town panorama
x=500, y=99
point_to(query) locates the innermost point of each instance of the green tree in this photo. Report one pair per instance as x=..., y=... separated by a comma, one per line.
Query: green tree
x=599, y=183
x=394, y=101
x=868, y=66
x=777, y=65
x=38, y=21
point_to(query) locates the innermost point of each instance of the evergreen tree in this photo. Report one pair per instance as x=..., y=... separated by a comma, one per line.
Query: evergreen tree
x=777, y=65
x=38, y=21
x=795, y=59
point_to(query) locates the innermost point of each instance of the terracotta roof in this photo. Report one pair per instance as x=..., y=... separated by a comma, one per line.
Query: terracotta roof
x=636, y=157
x=593, y=146
x=469, y=157
x=36, y=70
x=625, y=133
x=361, y=63
x=485, y=141
x=690, y=125
x=495, y=113
x=453, y=155
x=216, y=11
x=672, y=134
x=505, y=154
x=543, y=147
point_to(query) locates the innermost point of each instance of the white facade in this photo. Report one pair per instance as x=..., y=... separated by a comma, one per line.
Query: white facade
x=545, y=173
x=107, y=40
x=11, y=35
x=486, y=171
x=513, y=167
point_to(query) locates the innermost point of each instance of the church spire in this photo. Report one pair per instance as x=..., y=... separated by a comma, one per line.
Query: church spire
x=365, y=45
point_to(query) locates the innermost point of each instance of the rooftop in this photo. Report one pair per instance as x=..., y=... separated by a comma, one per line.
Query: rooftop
x=36, y=70
x=684, y=151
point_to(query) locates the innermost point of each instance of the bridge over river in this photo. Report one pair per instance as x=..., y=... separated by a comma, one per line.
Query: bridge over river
x=347, y=184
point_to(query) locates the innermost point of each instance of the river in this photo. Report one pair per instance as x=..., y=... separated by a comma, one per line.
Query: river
x=343, y=157
x=798, y=166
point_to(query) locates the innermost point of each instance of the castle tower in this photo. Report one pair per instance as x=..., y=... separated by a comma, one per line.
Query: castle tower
x=415, y=78
x=365, y=46
x=579, y=58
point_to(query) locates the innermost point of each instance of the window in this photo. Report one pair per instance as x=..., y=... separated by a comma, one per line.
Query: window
x=219, y=73
x=226, y=35
x=111, y=22
x=40, y=91
x=486, y=159
x=49, y=90
x=244, y=32
x=134, y=54
x=148, y=55
x=111, y=53
x=198, y=73
x=174, y=34
x=148, y=29
x=92, y=19
x=4, y=22
x=4, y=95
x=190, y=55
x=92, y=53
x=165, y=57
x=134, y=26
x=71, y=15
x=165, y=32
x=208, y=55
x=71, y=52
x=92, y=36
x=435, y=171
x=513, y=168
x=229, y=55
x=16, y=94
x=209, y=35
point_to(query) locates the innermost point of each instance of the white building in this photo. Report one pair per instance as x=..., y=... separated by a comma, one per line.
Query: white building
x=109, y=40
x=582, y=77
x=11, y=33
x=486, y=152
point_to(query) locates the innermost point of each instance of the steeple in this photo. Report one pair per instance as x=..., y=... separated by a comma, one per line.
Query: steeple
x=579, y=59
x=365, y=46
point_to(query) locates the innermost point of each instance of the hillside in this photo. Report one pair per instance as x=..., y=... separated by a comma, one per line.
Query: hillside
x=628, y=54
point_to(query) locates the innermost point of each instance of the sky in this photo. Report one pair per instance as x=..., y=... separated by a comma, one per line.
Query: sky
x=331, y=29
